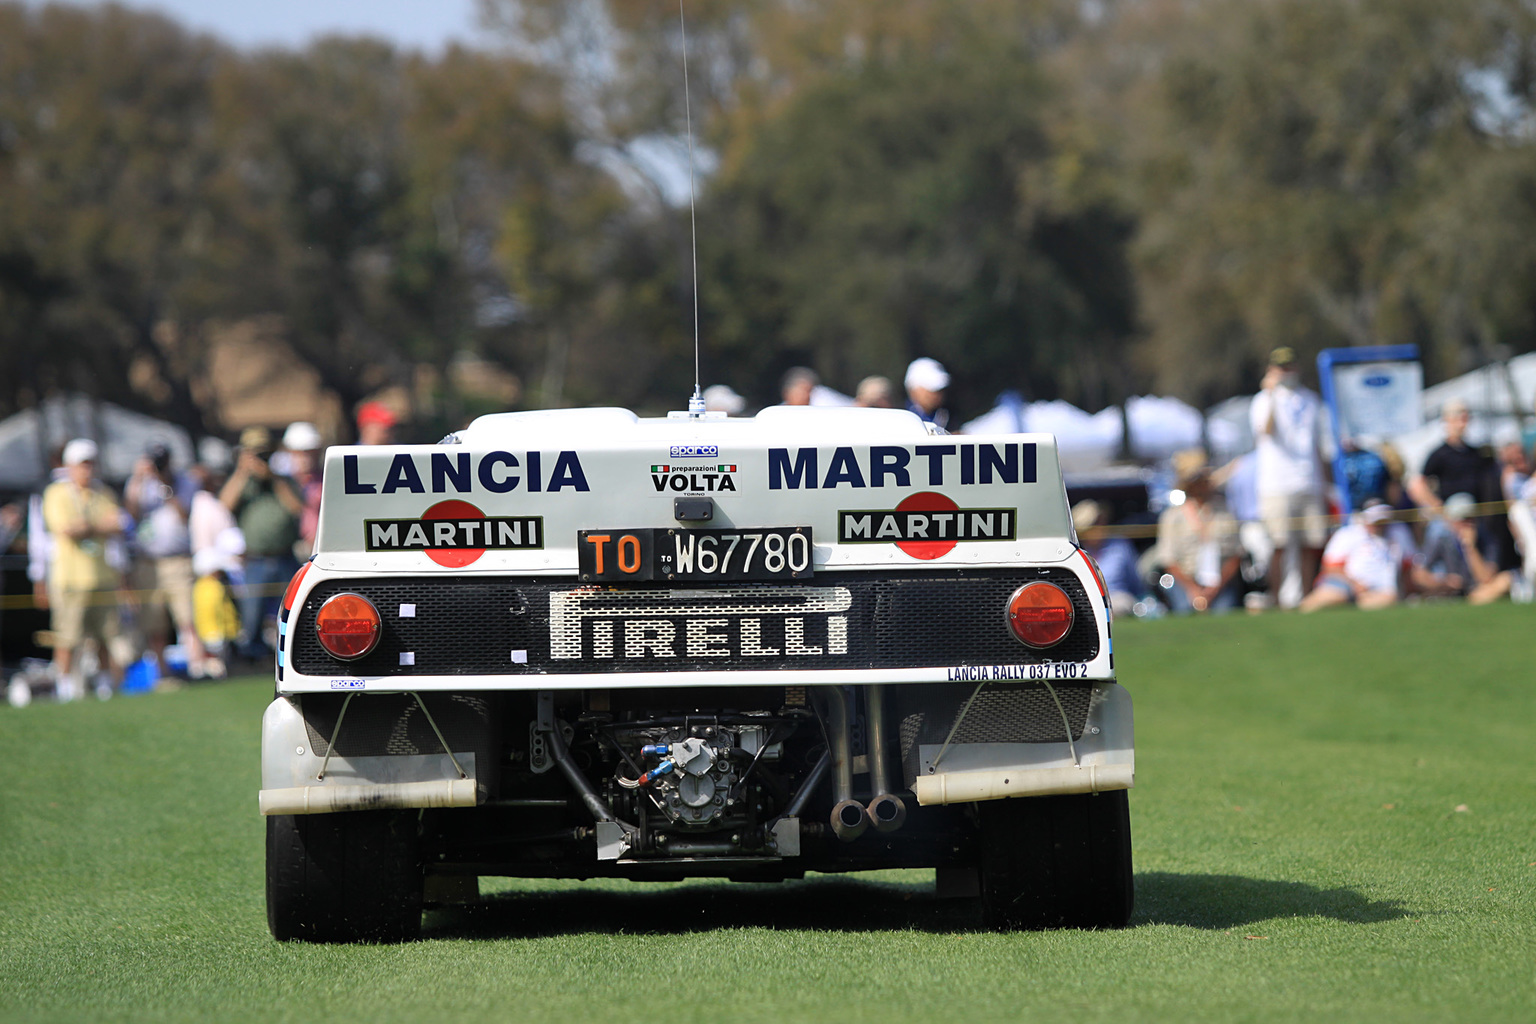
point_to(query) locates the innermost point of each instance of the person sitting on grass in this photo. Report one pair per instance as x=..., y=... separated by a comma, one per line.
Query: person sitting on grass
x=1452, y=564
x=1115, y=556
x=217, y=620
x=1360, y=566
x=1197, y=544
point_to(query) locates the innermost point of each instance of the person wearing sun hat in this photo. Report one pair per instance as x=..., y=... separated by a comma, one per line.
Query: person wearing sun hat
x=1197, y=542
x=82, y=515
x=1287, y=423
x=1115, y=556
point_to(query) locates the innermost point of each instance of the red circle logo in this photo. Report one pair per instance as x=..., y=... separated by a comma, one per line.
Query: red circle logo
x=453, y=558
x=928, y=501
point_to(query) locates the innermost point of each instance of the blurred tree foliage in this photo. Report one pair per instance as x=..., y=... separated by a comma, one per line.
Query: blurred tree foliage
x=1079, y=200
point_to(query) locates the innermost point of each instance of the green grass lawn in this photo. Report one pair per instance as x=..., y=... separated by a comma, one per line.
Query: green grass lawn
x=1334, y=819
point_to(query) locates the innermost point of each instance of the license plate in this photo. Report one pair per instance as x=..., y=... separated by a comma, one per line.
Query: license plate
x=765, y=553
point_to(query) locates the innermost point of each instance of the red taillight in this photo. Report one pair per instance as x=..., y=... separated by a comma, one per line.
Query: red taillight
x=1040, y=614
x=348, y=626
x=293, y=587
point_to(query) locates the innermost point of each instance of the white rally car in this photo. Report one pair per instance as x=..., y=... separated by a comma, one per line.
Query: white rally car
x=580, y=643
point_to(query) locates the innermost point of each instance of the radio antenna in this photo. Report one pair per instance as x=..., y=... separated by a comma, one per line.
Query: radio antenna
x=696, y=403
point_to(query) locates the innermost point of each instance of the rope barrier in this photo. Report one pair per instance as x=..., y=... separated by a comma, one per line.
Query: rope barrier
x=1144, y=531
x=137, y=598
x=1134, y=531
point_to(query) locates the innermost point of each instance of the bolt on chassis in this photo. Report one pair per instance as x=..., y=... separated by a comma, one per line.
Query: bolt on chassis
x=583, y=644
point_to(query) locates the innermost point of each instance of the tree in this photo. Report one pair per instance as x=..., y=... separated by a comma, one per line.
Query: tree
x=906, y=209
x=104, y=165
x=1304, y=174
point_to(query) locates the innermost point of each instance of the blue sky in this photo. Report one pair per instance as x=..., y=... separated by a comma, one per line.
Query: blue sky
x=420, y=24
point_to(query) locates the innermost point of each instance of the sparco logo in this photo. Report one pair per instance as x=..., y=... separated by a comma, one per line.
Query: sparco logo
x=695, y=451
x=732, y=624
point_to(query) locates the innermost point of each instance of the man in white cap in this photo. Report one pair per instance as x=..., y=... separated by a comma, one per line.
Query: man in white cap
x=81, y=515
x=1361, y=565
x=723, y=398
x=926, y=383
x=302, y=447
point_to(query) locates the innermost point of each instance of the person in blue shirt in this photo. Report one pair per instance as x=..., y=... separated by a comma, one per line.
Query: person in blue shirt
x=1116, y=556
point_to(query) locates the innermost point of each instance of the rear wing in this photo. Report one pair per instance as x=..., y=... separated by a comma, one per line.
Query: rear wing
x=513, y=502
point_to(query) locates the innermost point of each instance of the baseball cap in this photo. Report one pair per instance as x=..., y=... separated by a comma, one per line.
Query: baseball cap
x=1283, y=356
x=375, y=413
x=81, y=449
x=723, y=398
x=1379, y=513
x=1459, y=506
x=301, y=437
x=928, y=374
x=257, y=439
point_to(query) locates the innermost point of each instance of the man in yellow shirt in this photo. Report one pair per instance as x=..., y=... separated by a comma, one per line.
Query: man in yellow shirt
x=82, y=516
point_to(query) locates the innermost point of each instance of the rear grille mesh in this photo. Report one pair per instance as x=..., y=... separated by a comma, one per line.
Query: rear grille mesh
x=520, y=626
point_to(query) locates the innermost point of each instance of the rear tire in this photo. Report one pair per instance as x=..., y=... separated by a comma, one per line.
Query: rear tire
x=349, y=877
x=1056, y=861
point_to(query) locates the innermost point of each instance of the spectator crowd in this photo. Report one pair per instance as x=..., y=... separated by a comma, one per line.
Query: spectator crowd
x=180, y=574
x=1257, y=532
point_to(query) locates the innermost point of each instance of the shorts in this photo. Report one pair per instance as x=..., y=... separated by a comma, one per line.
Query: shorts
x=1336, y=582
x=172, y=579
x=1294, y=515
x=79, y=614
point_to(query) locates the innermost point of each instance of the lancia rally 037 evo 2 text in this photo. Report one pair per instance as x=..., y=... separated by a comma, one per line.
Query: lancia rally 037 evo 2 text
x=580, y=643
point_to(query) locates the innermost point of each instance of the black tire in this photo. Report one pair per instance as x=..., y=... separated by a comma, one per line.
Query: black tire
x=350, y=877
x=1056, y=861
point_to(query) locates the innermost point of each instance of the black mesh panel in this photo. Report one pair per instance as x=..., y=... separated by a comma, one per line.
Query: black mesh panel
x=484, y=626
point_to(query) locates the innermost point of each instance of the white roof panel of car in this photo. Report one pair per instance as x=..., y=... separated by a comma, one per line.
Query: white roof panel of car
x=779, y=424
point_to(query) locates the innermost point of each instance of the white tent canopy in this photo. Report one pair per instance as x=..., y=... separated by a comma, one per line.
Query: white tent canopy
x=1159, y=427
x=123, y=436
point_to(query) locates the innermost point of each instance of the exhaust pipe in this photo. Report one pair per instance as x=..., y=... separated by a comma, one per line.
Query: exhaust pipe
x=886, y=811
x=848, y=817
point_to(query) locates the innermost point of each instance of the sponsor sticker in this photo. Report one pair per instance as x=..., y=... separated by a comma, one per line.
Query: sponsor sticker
x=732, y=624
x=695, y=451
x=705, y=479
x=926, y=525
x=454, y=533
x=937, y=465
x=1048, y=671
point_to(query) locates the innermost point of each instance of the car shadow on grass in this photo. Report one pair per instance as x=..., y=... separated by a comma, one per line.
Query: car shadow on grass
x=1231, y=901
x=820, y=904
x=853, y=905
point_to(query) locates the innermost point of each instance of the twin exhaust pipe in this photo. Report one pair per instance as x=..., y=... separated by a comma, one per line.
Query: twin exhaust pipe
x=885, y=811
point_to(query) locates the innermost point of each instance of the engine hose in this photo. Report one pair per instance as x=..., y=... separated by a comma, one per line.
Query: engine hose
x=594, y=802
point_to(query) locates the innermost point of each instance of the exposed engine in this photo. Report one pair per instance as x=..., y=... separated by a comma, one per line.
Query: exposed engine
x=701, y=777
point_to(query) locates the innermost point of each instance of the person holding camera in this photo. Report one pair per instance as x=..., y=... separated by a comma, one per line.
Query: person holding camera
x=158, y=500
x=1287, y=422
x=266, y=506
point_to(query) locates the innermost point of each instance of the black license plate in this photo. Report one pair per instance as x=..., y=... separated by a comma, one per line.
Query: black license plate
x=764, y=553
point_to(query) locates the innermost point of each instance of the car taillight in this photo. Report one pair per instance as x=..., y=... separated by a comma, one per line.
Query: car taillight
x=348, y=626
x=293, y=587
x=1040, y=614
